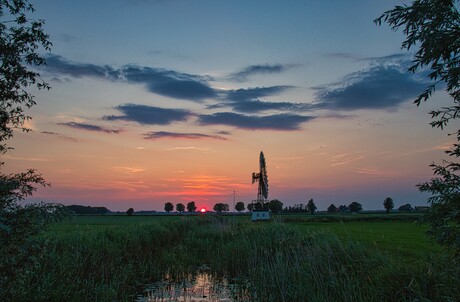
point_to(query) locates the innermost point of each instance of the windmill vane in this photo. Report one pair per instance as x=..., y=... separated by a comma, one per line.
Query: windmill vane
x=262, y=179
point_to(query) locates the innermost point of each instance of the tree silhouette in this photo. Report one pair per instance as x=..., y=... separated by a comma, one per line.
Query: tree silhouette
x=406, y=208
x=130, y=211
x=239, y=206
x=332, y=209
x=311, y=207
x=275, y=206
x=355, y=207
x=191, y=207
x=169, y=207
x=221, y=207
x=250, y=207
x=22, y=43
x=180, y=207
x=433, y=27
x=388, y=204
x=343, y=208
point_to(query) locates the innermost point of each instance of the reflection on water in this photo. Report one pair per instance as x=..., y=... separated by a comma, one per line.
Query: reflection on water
x=201, y=286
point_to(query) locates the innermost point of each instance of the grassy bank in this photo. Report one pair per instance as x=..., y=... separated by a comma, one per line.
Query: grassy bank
x=111, y=258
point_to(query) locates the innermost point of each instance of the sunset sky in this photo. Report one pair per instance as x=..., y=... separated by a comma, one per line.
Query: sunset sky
x=173, y=100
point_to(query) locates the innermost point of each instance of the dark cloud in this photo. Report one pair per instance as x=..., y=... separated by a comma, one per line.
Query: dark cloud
x=255, y=106
x=258, y=69
x=176, y=135
x=241, y=95
x=164, y=82
x=379, y=87
x=149, y=115
x=170, y=83
x=247, y=100
x=269, y=122
x=50, y=133
x=59, y=65
x=89, y=127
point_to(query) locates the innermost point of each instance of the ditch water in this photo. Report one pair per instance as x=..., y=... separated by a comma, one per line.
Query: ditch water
x=199, y=286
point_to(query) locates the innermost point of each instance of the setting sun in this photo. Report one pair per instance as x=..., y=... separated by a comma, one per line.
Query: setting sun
x=202, y=210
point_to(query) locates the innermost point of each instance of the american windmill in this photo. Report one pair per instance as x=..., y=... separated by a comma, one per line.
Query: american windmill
x=262, y=179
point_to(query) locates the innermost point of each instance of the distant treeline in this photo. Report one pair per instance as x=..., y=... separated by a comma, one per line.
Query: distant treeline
x=82, y=210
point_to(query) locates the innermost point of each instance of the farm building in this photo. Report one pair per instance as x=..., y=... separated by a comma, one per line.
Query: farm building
x=260, y=215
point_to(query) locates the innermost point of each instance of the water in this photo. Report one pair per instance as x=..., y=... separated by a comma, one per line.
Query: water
x=200, y=286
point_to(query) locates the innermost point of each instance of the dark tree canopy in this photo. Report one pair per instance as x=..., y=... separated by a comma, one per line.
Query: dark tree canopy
x=191, y=207
x=355, y=207
x=332, y=209
x=311, y=207
x=130, y=211
x=239, y=206
x=180, y=207
x=388, y=204
x=406, y=208
x=275, y=206
x=169, y=207
x=343, y=208
x=81, y=210
x=21, y=41
x=221, y=207
x=432, y=28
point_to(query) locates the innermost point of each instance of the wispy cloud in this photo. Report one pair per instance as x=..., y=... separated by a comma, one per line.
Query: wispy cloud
x=374, y=172
x=398, y=57
x=285, y=122
x=443, y=147
x=149, y=115
x=176, y=135
x=160, y=81
x=60, y=136
x=89, y=127
x=129, y=170
x=251, y=70
x=188, y=148
x=26, y=158
x=345, y=158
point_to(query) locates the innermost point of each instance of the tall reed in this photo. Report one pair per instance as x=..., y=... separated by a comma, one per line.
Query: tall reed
x=273, y=261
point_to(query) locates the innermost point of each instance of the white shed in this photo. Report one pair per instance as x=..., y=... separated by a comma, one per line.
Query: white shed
x=260, y=215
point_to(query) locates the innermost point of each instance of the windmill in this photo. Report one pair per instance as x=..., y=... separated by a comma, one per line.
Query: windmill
x=262, y=179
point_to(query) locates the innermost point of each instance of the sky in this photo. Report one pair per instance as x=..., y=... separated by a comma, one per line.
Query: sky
x=157, y=101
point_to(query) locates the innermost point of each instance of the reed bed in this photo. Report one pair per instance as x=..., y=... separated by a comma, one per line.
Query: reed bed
x=275, y=261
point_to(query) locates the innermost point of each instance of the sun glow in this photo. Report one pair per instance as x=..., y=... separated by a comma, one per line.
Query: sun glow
x=202, y=210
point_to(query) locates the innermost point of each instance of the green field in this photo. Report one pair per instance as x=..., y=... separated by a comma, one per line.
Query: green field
x=405, y=237
x=112, y=258
x=400, y=236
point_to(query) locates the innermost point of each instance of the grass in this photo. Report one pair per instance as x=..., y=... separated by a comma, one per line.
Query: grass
x=402, y=237
x=111, y=258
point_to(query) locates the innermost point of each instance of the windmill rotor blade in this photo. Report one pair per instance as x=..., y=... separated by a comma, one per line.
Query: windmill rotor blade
x=263, y=178
x=255, y=177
